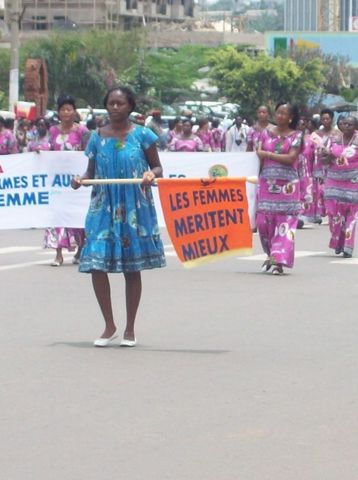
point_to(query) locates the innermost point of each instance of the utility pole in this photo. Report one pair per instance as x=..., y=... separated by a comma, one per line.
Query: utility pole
x=14, y=8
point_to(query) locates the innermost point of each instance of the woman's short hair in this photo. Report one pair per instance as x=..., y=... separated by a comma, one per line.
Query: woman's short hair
x=45, y=120
x=127, y=91
x=187, y=120
x=203, y=121
x=65, y=99
x=327, y=111
x=2, y=120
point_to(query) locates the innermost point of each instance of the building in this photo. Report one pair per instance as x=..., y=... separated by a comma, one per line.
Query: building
x=349, y=12
x=300, y=15
x=106, y=14
x=320, y=15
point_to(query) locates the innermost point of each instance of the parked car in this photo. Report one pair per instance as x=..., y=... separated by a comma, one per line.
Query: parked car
x=85, y=113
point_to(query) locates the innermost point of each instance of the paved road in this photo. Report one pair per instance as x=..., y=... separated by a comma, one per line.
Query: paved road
x=237, y=376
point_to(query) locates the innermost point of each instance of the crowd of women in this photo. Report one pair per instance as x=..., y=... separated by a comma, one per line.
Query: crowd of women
x=63, y=134
x=308, y=170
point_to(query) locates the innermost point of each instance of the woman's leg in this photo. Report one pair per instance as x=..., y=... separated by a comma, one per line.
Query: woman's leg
x=262, y=223
x=133, y=295
x=59, y=256
x=102, y=289
x=80, y=240
x=283, y=240
x=349, y=229
x=336, y=226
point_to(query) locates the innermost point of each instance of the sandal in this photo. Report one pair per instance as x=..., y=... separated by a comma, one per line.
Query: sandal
x=277, y=270
x=266, y=266
x=57, y=263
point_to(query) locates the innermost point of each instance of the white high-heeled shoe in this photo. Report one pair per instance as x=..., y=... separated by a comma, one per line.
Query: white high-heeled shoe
x=128, y=343
x=104, y=342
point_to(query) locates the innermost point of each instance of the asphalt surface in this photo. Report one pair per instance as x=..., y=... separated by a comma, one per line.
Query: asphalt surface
x=238, y=375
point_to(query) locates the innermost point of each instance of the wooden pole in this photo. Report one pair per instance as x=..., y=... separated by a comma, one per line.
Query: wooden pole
x=126, y=181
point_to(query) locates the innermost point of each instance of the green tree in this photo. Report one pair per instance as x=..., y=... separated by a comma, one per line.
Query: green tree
x=336, y=69
x=172, y=72
x=252, y=81
x=85, y=64
x=70, y=67
x=4, y=78
x=267, y=22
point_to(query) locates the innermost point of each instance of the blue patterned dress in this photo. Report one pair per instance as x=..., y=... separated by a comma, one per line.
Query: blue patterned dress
x=122, y=233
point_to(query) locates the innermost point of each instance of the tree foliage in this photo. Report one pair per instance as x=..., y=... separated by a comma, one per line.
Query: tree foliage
x=268, y=22
x=252, y=81
x=172, y=72
x=84, y=64
x=336, y=69
x=4, y=78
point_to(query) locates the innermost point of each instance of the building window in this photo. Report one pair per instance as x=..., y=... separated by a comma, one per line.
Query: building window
x=39, y=22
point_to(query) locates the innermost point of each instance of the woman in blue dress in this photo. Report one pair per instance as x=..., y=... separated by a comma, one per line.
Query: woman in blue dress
x=122, y=233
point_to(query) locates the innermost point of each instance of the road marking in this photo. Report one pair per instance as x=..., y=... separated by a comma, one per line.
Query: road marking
x=298, y=254
x=346, y=261
x=169, y=252
x=22, y=265
x=6, y=250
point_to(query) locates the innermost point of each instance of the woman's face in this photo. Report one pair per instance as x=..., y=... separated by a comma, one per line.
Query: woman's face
x=349, y=126
x=340, y=124
x=179, y=126
x=41, y=128
x=262, y=114
x=326, y=121
x=302, y=125
x=118, y=106
x=67, y=113
x=283, y=116
x=311, y=126
x=186, y=128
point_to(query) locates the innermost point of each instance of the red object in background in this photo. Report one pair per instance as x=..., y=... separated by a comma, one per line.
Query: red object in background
x=25, y=110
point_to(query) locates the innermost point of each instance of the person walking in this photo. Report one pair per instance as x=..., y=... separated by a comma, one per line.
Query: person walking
x=42, y=139
x=67, y=135
x=279, y=192
x=188, y=141
x=8, y=143
x=321, y=138
x=205, y=135
x=341, y=189
x=254, y=132
x=122, y=234
x=236, y=136
x=175, y=130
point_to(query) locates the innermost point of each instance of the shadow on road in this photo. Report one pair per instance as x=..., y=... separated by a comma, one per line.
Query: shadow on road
x=141, y=349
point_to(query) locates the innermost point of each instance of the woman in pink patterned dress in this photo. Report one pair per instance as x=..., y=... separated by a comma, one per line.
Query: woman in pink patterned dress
x=341, y=190
x=42, y=140
x=176, y=130
x=188, y=142
x=8, y=143
x=305, y=161
x=217, y=136
x=322, y=140
x=68, y=135
x=205, y=135
x=279, y=191
x=254, y=132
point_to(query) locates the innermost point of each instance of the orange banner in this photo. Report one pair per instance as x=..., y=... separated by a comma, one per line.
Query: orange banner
x=206, y=219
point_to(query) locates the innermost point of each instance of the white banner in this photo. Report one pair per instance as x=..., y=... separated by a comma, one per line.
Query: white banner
x=35, y=189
